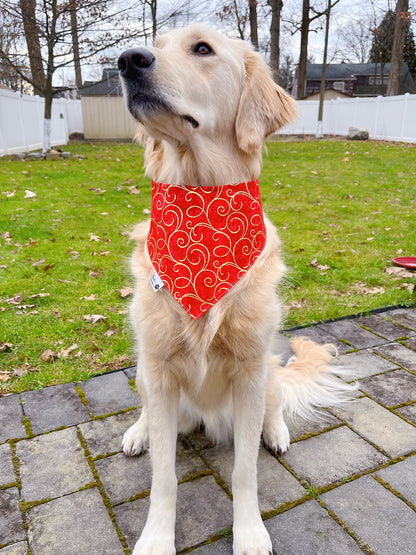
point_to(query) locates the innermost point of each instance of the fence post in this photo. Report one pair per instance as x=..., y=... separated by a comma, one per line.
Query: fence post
x=404, y=114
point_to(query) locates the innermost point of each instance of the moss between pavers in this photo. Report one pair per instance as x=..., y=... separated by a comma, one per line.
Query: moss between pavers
x=394, y=491
x=102, y=491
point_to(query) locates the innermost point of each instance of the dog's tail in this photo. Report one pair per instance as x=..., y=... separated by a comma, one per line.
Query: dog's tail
x=308, y=382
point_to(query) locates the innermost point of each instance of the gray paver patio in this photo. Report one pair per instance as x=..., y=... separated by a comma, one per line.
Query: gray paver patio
x=66, y=487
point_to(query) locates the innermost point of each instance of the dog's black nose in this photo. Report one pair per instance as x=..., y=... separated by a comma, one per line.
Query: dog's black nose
x=133, y=61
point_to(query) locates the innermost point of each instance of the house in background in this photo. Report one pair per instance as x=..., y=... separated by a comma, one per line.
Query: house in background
x=108, y=86
x=103, y=109
x=354, y=79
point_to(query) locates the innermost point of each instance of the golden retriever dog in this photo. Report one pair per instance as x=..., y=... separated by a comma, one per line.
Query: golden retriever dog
x=205, y=105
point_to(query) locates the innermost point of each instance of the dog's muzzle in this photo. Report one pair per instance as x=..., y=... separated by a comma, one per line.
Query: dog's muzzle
x=134, y=62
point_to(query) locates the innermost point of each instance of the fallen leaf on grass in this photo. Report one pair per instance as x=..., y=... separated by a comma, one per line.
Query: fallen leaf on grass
x=4, y=377
x=66, y=352
x=322, y=268
x=93, y=274
x=29, y=194
x=133, y=190
x=126, y=291
x=364, y=289
x=16, y=299
x=6, y=237
x=50, y=356
x=94, y=318
x=4, y=347
x=9, y=194
x=39, y=262
x=409, y=286
x=95, y=238
x=90, y=298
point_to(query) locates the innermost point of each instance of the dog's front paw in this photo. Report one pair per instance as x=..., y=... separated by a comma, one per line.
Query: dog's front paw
x=150, y=545
x=136, y=439
x=253, y=540
x=276, y=437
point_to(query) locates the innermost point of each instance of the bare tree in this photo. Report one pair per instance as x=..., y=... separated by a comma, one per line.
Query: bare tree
x=402, y=19
x=276, y=9
x=75, y=43
x=319, y=130
x=355, y=38
x=50, y=28
x=31, y=28
x=252, y=5
x=235, y=11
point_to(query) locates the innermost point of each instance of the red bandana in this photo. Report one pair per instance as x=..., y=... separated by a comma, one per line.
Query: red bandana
x=202, y=240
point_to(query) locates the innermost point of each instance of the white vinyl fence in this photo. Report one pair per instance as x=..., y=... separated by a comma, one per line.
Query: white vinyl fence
x=21, y=121
x=390, y=118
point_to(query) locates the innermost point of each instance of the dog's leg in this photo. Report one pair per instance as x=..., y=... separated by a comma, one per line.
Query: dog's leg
x=249, y=391
x=275, y=432
x=158, y=536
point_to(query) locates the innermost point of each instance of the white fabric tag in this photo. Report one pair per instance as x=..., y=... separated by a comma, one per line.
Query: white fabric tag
x=156, y=282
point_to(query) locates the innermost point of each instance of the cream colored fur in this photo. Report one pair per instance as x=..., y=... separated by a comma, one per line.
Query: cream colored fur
x=218, y=369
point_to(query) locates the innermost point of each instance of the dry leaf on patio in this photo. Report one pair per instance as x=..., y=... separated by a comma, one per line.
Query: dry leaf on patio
x=126, y=291
x=94, y=318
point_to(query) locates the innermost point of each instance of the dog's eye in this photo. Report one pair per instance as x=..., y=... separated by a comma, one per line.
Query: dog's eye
x=203, y=49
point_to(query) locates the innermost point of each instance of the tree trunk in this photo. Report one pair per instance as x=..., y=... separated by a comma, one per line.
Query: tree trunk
x=253, y=23
x=319, y=130
x=276, y=6
x=28, y=9
x=303, y=57
x=153, y=9
x=75, y=44
x=400, y=28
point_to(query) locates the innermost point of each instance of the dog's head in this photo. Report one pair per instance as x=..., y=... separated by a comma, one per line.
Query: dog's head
x=195, y=81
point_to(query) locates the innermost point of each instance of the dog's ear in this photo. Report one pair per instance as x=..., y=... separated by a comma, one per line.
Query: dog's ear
x=264, y=106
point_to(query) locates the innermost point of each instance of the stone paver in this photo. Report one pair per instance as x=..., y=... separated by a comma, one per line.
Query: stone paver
x=363, y=364
x=401, y=476
x=109, y=393
x=82, y=496
x=392, y=388
x=276, y=485
x=19, y=548
x=350, y=331
x=52, y=465
x=73, y=525
x=383, y=327
x=104, y=436
x=7, y=475
x=11, y=521
x=205, y=510
x=400, y=354
x=53, y=407
x=404, y=316
x=309, y=529
x=380, y=426
x=11, y=418
x=332, y=456
x=377, y=516
x=408, y=412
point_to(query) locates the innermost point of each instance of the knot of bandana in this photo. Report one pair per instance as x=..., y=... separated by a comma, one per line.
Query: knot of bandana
x=202, y=240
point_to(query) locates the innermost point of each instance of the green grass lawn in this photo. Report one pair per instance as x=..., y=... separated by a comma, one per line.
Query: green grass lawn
x=343, y=211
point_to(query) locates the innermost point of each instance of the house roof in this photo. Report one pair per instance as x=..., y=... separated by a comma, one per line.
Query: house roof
x=344, y=72
x=108, y=86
